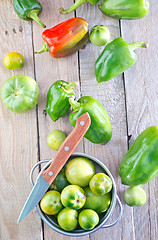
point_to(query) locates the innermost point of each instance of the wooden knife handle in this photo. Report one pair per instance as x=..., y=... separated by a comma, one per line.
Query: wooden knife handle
x=67, y=147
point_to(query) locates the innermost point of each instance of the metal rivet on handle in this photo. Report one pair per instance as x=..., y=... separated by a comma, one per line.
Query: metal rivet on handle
x=50, y=173
x=82, y=123
x=66, y=148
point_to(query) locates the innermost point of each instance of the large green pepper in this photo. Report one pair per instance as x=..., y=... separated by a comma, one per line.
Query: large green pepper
x=100, y=129
x=125, y=9
x=28, y=10
x=140, y=164
x=116, y=57
x=58, y=99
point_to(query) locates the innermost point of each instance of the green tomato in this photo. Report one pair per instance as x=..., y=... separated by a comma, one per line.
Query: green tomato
x=135, y=196
x=73, y=197
x=55, y=139
x=99, y=35
x=67, y=219
x=13, y=60
x=88, y=219
x=100, y=184
x=51, y=203
x=98, y=203
x=60, y=181
x=79, y=171
x=20, y=93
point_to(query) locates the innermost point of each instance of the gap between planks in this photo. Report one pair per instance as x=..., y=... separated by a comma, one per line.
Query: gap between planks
x=37, y=117
x=37, y=122
x=125, y=97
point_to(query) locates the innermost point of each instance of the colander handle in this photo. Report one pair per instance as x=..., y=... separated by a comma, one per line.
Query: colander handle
x=120, y=213
x=33, y=169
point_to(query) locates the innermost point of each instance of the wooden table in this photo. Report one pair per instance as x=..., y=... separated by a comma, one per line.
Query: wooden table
x=130, y=99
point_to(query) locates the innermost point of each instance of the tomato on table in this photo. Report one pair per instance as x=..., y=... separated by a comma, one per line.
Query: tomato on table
x=55, y=139
x=99, y=35
x=135, y=196
x=20, y=93
x=13, y=60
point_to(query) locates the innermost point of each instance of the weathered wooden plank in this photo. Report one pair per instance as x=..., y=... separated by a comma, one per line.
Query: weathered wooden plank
x=49, y=70
x=111, y=94
x=142, y=107
x=18, y=141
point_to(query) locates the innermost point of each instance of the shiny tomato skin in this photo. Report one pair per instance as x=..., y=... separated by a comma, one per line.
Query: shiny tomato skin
x=51, y=202
x=20, y=93
x=67, y=219
x=79, y=171
x=55, y=139
x=88, y=219
x=13, y=60
x=99, y=35
x=100, y=184
x=73, y=197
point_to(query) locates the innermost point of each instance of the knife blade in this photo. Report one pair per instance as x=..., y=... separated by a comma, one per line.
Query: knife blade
x=47, y=176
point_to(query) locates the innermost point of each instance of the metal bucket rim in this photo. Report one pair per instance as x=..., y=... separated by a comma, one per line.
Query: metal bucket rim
x=110, y=209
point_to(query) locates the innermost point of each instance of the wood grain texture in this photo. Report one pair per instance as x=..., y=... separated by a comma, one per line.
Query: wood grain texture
x=111, y=95
x=131, y=101
x=49, y=70
x=142, y=108
x=18, y=135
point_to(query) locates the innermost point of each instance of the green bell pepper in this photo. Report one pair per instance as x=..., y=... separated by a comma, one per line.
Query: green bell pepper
x=58, y=99
x=28, y=10
x=77, y=4
x=100, y=129
x=116, y=57
x=140, y=164
x=125, y=9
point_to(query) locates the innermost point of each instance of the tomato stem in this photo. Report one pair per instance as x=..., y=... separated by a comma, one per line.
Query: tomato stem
x=74, y=6
x=16, y=92
x=75, y=105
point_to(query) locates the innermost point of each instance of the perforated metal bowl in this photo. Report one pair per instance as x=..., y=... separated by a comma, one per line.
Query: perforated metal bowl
x=51, y=221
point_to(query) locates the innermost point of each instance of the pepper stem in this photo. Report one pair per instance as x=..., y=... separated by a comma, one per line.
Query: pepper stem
x=74, y=6
x=136, y=45
x=75, y=105
x=34, y=15
x=69, y=86
x=44, y=48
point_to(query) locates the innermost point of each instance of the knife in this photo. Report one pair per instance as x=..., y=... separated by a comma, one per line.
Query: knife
x=45, y=179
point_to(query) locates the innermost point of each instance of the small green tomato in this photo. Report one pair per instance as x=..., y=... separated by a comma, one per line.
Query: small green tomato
x=88, y=219
x=73, y=197
x=55, y=139
x=13, y=60
x=100, y=184
x=99, y=203
x=79, y=171
x=67, y=219
x=99, y=35
x=60, y=182
x=51, y=203
x=135, y=196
